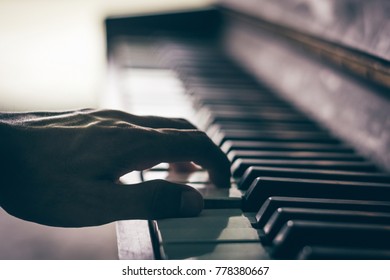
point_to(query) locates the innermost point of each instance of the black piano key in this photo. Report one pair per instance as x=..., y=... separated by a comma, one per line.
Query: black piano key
x=206, y=122
x=296, y=234
x=212, y=95
x=212, y=76
x=271, y=126
x=175, y=61
x=182, y=55
x=242, y=145
x=272, y=114
x=266, y=107
x=212, y=118
x=337, y=253
x=273, y=136
x=268, y=112
x=255, y=171
x=257, y=99
x=237, y=154
x=265, y=187
x=186, y=70
x=240, y=166
x=249, y=107
x=218, y=81
x=282, y=215
x=275, y=202
x=209, y=75
x=220, y=86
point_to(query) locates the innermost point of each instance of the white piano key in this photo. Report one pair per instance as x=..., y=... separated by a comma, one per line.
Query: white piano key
x=216, y=251
x=215, y=234
x=213, y=219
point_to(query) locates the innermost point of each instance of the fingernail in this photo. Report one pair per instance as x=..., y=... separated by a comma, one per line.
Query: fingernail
x=191, y=203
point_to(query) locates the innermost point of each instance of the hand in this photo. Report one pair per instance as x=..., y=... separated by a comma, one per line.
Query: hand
x=62, y=169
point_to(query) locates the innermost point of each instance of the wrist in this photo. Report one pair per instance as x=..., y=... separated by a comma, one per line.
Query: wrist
x=5, y=132
x=8, y=152
x=8, y=145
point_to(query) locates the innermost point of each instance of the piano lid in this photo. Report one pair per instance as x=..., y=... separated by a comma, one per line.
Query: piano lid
x=309, y=58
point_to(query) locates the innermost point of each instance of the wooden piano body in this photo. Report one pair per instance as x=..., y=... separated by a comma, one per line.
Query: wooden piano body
x=297, y=94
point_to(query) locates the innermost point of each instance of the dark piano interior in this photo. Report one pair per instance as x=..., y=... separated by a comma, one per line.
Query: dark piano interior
x=297, y=95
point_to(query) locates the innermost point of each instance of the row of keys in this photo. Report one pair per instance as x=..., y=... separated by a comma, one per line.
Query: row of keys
x=297, y=192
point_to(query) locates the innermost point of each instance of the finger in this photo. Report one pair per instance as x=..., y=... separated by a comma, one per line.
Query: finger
x=196, y=146
x=100, y=203
x=43, y=118
x=104, y=118
x=182, y=167
x=156, y=199
x=185, y=145
x=145, y=121
x=160, y=122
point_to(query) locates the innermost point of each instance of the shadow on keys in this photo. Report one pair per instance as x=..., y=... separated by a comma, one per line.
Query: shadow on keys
x=217, y=230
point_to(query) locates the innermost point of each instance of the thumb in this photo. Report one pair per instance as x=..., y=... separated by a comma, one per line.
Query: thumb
x=155, y=199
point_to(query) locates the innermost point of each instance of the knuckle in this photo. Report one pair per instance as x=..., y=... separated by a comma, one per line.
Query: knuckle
x=182, y=120
x=184, y=123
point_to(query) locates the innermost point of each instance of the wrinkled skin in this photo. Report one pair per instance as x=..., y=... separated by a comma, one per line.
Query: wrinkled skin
x=62, y=169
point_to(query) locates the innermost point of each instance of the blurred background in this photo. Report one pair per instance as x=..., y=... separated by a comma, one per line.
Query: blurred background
x=52, y=57
x=52, y=53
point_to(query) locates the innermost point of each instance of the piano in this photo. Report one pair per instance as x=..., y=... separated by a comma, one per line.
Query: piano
x=296, y=93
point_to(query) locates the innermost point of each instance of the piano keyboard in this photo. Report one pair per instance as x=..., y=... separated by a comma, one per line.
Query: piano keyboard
x=297, y=191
